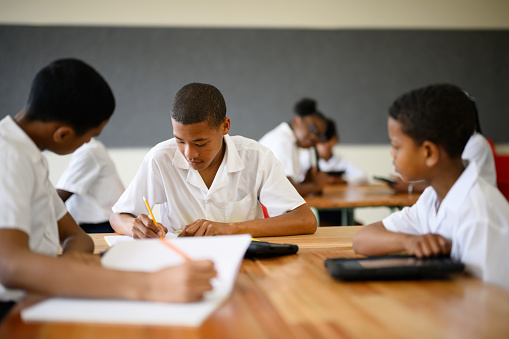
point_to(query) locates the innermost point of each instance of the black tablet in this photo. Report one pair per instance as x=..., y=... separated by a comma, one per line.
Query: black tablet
x=386, y=180
x=336, y=173
x=392, y=267
x=261, y=249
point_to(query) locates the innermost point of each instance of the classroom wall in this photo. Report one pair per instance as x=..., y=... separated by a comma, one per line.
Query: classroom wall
x=454, y=15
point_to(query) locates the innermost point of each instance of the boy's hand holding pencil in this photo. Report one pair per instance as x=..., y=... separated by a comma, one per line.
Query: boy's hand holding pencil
x=145, y=227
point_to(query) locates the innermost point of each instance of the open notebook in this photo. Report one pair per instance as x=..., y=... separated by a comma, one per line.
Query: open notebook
x=226, y=252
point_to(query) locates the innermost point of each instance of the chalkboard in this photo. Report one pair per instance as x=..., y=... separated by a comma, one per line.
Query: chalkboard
x=353, y=74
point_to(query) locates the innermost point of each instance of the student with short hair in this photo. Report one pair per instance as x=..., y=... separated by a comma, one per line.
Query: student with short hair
x=69, y=103
x=305, y=130
x=90, y=186
x=460, y=214
x=208, y=182
x=477, y=150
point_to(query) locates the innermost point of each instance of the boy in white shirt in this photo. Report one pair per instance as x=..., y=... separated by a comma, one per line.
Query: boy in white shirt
x=90, y=186
x=69, y=103
x=460, y=213
x=209, y=183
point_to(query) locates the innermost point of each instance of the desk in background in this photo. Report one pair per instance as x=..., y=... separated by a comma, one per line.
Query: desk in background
x=349, y=197
x=294, y=297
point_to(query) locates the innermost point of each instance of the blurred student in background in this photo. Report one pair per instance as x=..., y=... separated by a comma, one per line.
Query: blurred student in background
x=304, y=131
x=90, y=186
x=339, y=169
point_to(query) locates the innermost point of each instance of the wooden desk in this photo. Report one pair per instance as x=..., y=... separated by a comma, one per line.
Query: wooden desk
x=324, y=238
x=348, y=197
x=294, y=297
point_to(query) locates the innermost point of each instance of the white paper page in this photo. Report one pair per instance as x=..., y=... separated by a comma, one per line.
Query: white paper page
x=226, y=252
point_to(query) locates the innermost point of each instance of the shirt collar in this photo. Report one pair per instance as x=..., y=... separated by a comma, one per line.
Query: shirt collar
x=459, y=191
x=10, y=130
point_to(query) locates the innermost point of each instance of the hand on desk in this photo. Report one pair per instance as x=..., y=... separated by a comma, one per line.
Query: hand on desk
x=203, y=227
x=184, y=283
x=427, y=245
x=144, y=228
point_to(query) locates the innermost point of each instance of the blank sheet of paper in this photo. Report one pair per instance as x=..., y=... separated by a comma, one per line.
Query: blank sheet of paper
x=226, y=252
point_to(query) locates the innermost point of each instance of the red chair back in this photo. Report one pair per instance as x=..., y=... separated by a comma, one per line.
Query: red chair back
x=502, y=167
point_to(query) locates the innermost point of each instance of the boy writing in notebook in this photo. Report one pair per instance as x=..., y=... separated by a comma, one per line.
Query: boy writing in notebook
x=69, y=103
x=460, y=214
x=209, y=183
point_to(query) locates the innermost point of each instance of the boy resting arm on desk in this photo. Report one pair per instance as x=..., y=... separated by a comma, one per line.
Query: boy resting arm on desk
x=69, y=103
x=209, y=183
x=460, y=213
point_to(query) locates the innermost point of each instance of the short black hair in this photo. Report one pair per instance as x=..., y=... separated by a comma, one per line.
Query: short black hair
x=305, y=106
x=71, y=92
x=331, y=130
x=197, y=102
x=440, y=113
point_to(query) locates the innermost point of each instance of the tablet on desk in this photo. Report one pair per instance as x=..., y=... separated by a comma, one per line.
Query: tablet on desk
x=392, y=267
x=384, y=179
x=263, y=249
x=336, y=173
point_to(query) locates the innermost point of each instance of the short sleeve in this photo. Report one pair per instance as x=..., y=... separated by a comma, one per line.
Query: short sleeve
x=146, y=183
x=277, y=193
x=81, y=173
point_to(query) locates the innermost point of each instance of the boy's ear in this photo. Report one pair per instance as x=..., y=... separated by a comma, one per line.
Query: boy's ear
x=225, y=127
x=62, y=133
x=431, y=153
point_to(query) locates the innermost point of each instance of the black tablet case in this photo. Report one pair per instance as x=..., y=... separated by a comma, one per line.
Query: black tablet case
x=414, y=268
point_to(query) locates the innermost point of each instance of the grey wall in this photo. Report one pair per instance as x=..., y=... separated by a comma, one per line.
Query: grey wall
x=354, y=74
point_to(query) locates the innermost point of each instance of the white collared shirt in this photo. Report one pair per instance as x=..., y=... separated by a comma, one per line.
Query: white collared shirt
x=474, y=216
x=479, y=150
x=283, y=143
x=248, y=171
x=93, y=179
x=28, y=199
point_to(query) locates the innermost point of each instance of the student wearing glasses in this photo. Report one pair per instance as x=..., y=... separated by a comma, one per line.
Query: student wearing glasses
x=305, y=130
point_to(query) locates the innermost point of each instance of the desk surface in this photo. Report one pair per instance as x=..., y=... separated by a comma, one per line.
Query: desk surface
x=294, y=297
x=324, y=238
x=350, y=196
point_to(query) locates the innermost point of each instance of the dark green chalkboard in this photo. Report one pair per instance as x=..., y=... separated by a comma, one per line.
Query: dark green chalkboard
x=354, y=74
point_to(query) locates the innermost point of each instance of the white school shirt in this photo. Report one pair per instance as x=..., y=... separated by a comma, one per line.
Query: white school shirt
x=474, y=215
x=283, y=143
x=248, y=171
x=479, y=150
x=353, y=174
x=28, y=199
x=93, y=179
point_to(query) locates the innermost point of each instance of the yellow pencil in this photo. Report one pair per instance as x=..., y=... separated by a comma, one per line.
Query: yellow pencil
x=152, y=216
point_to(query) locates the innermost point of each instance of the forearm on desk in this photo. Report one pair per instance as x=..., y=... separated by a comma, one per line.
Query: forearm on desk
x=298, y=221
x=122, y=223
x=374, y=239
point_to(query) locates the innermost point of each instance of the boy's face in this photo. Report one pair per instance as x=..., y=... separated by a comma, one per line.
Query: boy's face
x=325, y=148
x=409, y=159
x=73, y=142
x=200, y=143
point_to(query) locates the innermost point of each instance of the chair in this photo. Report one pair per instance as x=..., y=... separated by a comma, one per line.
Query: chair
x=502, y=167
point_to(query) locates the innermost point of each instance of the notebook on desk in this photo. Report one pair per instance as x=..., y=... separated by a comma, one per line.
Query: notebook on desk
x=392, y=267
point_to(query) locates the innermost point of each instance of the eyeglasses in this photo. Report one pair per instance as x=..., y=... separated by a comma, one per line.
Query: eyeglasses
x=314, y=130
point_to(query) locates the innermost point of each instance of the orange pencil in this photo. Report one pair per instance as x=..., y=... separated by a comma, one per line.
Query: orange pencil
x=176, y=249
x=152, y=216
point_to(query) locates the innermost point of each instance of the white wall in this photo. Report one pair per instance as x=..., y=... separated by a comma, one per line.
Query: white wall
x=460, y=14
x=319, y=14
